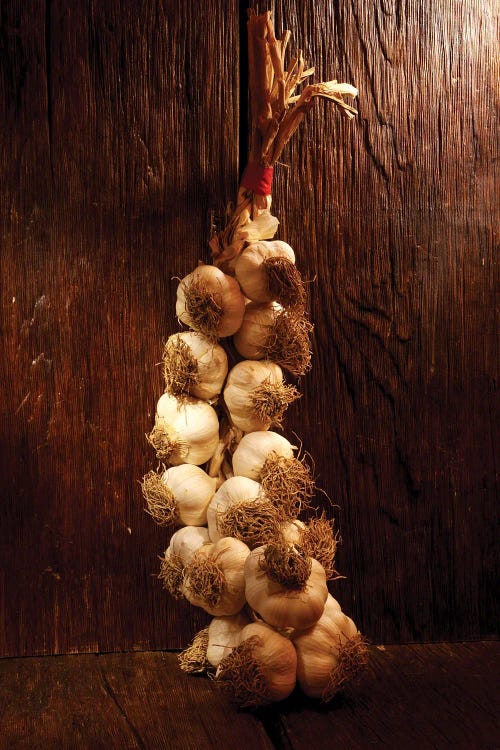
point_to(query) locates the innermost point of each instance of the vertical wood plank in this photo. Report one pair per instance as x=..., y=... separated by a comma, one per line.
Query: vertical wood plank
x=392, y=217
x=119, y=137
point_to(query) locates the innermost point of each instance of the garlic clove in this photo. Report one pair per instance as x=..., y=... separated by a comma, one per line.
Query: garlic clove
x=250, y=339
x=188, y=540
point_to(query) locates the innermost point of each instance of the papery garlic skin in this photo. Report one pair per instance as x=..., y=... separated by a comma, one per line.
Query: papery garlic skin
x=243, y=379
x=211, y=363
x=263, y=657
x=252, y=336
x=193, y=490
x=188, y=540
x=250, y=270
x=234, y=490
x=292, y=531
x=225, y=290
x=229, y=556
x=190, y=427
x=329, y=654
x=278, y=605
x=254, y=449
x=224, y=635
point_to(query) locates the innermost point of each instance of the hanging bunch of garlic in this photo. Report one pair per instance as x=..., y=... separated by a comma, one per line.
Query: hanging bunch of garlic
x=235, y=491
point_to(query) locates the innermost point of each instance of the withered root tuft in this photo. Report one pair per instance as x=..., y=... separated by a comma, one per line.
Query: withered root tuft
x=287, y=482
x=240, y=676
x=288, y=343
x=270, y=400
x=286, y=564
x=204, y=308
x=160, y=501
x=180, y=368
x=253, y=522
x=193, y=659
x=171, y=574
x=353, y=659
x=205, y=579
x=285, y=283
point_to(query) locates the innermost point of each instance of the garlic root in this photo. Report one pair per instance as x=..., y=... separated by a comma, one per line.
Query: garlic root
x=193, y=659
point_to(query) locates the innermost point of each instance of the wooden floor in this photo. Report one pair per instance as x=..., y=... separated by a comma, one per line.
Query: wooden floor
x=432, y=696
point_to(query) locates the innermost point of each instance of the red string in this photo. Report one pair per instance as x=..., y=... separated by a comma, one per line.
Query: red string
x=257, y=179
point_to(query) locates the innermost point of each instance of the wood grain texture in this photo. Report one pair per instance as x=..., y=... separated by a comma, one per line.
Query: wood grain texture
x=421, y=696
x=418, y=697
x=117, y=141
x=117, y=701
x=394, y=216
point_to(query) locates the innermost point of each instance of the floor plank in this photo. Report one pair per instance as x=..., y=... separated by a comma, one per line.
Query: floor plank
x=117, y=701
x=434, y=696
x=413, y=697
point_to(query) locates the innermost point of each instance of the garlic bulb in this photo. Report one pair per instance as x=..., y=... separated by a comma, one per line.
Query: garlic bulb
x=179, y=495
x=224, y=635
x=258, y=321
x=251, y=270
x=195, y=365
x=214, y=579
x=261, y=669
x=266, y=271
x=241, y=510
x=268, y=458
x=270, y=332
x=183, y=545
x=255, y=448
x=287, y=588
x=256, y=396
x=210, y=302
x=329, y=654
x=185, y=431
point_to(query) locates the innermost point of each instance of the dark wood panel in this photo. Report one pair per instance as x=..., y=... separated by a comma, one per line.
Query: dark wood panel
x=118, y=140
x=422, y=696
x=119, y=137
x=394, y=216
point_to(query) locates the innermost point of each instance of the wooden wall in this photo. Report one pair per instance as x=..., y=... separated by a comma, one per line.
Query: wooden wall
x=119, y=145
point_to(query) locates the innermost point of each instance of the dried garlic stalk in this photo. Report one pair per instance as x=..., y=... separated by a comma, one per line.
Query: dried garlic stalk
x=276, y=113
